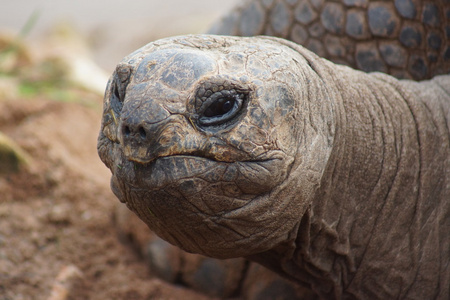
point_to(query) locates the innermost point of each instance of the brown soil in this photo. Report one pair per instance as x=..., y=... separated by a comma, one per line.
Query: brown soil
x=57, y=239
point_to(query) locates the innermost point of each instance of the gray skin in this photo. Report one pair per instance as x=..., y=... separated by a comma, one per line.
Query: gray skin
x=404, y=38
x=334, y=178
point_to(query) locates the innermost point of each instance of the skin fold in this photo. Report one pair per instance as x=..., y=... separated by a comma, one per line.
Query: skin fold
x=334, y=178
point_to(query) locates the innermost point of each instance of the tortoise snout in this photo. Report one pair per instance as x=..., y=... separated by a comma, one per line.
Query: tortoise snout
x=143, y=141
x=137, y=138
x=134, y=131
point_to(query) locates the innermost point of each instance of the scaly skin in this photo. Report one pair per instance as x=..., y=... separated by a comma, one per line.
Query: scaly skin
x=368, y=41
x=404, y=38
x=331, y=177
x=417, y=50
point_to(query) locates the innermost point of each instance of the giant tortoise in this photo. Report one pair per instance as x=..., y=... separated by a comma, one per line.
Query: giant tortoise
x=255, y=147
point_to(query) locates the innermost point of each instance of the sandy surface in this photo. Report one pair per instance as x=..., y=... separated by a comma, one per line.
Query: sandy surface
x=57, y=239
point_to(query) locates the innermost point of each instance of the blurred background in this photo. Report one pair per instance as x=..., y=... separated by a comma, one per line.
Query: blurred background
x=112, y=28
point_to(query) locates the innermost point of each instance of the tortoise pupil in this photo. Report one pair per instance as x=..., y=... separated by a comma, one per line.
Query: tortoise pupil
x=219, y=107
x=226, y=106
x=116, y=92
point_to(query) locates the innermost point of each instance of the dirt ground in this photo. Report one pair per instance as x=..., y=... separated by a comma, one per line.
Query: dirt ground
x=57, y=239
x=57, y=235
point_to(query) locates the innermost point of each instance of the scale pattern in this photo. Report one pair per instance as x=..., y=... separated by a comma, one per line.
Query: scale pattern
x=405, y=38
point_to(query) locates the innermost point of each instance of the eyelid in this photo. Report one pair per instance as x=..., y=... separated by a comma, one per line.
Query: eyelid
x=221, y=119
x=209, y=91
x=214, y=84
x=215, y=97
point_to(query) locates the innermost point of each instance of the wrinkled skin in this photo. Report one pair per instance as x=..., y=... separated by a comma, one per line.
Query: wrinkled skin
x=212, y=183
x=331, y=177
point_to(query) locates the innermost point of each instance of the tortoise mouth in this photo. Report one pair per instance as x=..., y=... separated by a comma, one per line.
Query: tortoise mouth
x=198, y=155
x=181, y=166
x=213, y=150
x=192, y=173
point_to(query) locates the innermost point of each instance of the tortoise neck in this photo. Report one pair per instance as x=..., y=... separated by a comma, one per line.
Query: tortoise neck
x=357, y=218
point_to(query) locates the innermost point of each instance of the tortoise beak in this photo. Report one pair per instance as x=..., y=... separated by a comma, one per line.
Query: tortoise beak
x=144, y=142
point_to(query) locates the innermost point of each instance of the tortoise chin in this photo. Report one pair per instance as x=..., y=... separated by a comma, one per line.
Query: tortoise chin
x=202, y=205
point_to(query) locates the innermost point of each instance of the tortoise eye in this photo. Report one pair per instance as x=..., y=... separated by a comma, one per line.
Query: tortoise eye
x=116, y=92
x=220, y=108
x=116, y=99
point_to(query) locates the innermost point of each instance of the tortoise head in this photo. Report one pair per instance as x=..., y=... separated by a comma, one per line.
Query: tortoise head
x=209, y=140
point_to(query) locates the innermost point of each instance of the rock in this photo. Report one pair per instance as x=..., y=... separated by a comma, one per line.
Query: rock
x=260, y=285
x=12, y=157
x=66, y=283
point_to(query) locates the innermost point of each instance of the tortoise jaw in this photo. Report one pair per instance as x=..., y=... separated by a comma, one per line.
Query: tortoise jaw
x=140, y=161
x=138, y=154
x=224, y=157
x=213, y=151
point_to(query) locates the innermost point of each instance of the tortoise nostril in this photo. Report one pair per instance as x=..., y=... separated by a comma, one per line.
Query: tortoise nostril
x=126, y=130
x=134, y=131
x=142, y=132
